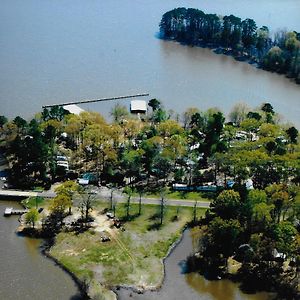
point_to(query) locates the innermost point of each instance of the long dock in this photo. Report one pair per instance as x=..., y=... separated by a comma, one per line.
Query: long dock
x=10, y=211
x=96, y=100
x=14, y=193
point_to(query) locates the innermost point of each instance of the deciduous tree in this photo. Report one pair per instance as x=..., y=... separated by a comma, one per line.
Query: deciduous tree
x=31, y=217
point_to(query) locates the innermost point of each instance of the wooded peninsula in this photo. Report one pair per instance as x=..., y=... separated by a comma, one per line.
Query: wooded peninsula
x=278, y=52
x=246, y=167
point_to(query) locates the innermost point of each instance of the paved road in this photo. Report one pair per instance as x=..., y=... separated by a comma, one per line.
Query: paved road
x=105, y=193
x=171, y=202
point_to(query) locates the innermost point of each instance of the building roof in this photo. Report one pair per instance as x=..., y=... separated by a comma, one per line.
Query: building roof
x=138, y=105
x=73, y=109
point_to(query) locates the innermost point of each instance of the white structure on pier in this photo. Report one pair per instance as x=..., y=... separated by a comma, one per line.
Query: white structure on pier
x=138, y=107
x=73, y=109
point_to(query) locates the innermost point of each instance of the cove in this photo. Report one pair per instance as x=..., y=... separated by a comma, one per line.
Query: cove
x=27, y=274
x=178, y=285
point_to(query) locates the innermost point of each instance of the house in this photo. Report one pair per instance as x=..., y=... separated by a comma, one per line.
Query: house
x=73, y=109
x=138, y=107
x=249, y=184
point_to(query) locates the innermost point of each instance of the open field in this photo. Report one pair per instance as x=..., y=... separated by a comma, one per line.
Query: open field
x=132, y=257
x=180, y=195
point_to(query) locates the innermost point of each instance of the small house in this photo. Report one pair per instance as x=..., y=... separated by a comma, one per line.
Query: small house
x=73, y=109
x=138, y=107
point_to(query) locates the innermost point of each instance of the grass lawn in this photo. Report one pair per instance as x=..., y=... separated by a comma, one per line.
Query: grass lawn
x=132, y=257
x=34, y=202
x=181, y=195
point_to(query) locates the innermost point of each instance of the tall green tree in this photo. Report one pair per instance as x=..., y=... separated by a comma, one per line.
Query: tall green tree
x=3, y=120
x=119, y=112
x=87, y=204
x=249, y=33
x=227, y=205
x=129, y=192
x=154, y=104
x=292, y=132
x=31, y=217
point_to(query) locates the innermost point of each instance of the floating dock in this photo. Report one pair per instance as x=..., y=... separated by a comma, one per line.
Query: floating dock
x=10, y=211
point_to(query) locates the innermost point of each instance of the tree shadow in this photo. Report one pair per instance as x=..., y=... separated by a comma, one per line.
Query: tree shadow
x=174, y=218
x=183, y=267
x=154, y=226
x=154, y=217
x=129, y=218
x=79, y=226
x=183, y=194
x=79, y=297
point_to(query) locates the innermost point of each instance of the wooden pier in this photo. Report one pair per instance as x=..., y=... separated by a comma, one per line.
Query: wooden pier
x=10, y=211
x=16, y=193
x=96, y=100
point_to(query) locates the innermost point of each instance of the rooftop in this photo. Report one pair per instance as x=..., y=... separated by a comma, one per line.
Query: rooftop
x=73, y=109
x=138, y=105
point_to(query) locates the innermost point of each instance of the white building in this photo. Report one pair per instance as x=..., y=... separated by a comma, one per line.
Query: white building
x=138, y=107
x=73, y=109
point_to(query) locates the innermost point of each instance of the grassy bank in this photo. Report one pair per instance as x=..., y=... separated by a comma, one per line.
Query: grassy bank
x=132, y=257
x=180, y=195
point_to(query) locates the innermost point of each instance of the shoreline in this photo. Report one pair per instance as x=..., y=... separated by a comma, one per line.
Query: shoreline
x=160, y=284
x=219, y=50
x=44, y=250
x=86, y=292
x=86, y=295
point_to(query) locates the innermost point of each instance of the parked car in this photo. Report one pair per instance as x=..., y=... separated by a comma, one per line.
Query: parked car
x=110, y=215
x=88, y=178
x=105, y=238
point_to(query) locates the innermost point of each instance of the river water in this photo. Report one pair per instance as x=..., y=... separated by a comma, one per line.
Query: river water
x=25, y=273
x=54, y=51
x=178, y=285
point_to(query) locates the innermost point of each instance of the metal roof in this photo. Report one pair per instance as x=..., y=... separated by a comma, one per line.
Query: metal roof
x=138, y=105
x=73, y=109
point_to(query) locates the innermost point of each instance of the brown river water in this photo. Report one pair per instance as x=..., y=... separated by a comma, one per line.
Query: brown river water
x=178, y=285
x=54, y=51
x=26, y=274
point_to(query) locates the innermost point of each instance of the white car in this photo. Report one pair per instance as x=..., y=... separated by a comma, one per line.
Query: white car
x=83, y=181
x=63, y=164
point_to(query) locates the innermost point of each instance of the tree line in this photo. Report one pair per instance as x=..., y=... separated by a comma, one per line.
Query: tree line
x=241, y=38
x=259, y=230
x=195, y=148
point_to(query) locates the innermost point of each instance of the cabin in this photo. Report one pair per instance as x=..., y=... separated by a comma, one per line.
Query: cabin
x=73, y=109
x=138, y=107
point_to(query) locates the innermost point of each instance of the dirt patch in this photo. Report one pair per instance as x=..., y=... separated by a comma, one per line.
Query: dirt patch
x=102, y=223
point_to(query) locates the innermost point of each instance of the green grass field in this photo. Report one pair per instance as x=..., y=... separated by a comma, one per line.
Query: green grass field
x=132, y=257
x=180, y=195
x=35, y=202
